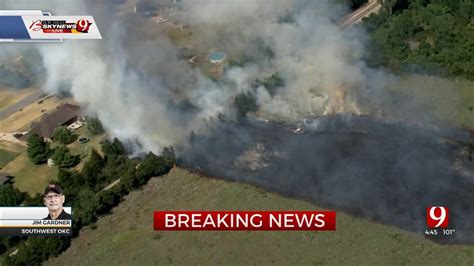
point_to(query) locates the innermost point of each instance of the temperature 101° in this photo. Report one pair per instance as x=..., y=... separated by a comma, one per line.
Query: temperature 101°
x=448, y=231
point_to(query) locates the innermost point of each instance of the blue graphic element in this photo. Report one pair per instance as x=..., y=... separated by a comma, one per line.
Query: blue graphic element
x=12, y=27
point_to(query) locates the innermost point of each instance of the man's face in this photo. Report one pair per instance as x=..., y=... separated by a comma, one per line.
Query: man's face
x=54, y=201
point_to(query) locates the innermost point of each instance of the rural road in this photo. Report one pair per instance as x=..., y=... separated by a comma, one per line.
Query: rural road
x=372, y=6
x=5, y=112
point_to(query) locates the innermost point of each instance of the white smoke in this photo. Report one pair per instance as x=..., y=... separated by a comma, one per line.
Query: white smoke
x=135, y=85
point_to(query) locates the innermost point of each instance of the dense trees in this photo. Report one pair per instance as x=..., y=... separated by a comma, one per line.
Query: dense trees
x=10, y=196
x=63, y=158
x=38, y=150
x=91, y=171
x=94, y=125
x=63, y=135
x=85, y=193
x=245, y=102
x=434, y=37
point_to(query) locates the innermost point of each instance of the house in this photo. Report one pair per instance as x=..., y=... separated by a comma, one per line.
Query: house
x=4, y=178
x=64, y=115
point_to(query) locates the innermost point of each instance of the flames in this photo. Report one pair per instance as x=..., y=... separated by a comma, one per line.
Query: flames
x=341, y=100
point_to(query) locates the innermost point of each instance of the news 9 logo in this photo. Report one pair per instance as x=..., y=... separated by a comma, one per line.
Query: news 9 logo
x=437, y=217
x=83, y=25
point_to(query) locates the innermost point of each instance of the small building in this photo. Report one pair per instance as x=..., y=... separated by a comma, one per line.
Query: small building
x=64, y=115
x=4, y=178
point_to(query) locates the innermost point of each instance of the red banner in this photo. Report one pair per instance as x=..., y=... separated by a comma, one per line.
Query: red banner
x=245, y=220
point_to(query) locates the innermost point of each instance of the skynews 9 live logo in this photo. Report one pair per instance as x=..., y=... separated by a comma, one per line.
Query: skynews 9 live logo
x=61, y=26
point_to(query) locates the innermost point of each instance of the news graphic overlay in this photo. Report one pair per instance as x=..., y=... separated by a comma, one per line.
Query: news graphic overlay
x=52, y=220
x=245, y=220
x=36, y=25
x=30, y=221
x=438, y=223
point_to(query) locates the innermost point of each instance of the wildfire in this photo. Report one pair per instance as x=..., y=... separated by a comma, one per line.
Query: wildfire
x=341, y=100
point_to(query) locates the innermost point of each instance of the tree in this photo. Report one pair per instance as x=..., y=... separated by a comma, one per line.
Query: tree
x=85, y=206
x=388, y=4
x=107, y=200
x=37, y=249
x=63, y=158
x=10, y=196
x=94, y=125
x=272, y=83
x=245, y=102
x=72, y=182
x=91, y=171
x=114, y=148
x=63, y=135
x=154, y=165
x=38, y=150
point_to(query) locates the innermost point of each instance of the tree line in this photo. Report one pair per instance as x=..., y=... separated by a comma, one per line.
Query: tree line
x=424, y=36
x=85, y=192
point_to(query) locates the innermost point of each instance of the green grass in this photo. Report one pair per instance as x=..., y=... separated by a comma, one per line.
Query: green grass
x=177, y=36
x=94, y=142
x=6, y=157
x=126, y=237
x=29, y=177
x=448, y=100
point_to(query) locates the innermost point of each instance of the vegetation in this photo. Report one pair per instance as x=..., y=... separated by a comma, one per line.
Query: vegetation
x=355, y=242
x=6, y=157
x=64, y=135
x=63, y=158
x=38, y=149
x=14, y=79
x=245, y=102
x=425, y=36
x=84, y=192
x=271, y=83
x=10, y=196
x=94, y=125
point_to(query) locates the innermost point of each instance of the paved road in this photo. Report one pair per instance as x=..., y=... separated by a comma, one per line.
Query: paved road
x=5, y=112
x=372, y=6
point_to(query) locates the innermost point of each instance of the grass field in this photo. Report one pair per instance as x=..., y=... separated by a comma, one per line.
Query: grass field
x=126, y=236
x=177, y=36
x=21, y=120
x=446, y=99
x=6, y=156
x=10, y=96
x=29, y=177
x=94, y=141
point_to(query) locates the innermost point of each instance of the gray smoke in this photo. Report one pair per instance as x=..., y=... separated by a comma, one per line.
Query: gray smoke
x=143, y=91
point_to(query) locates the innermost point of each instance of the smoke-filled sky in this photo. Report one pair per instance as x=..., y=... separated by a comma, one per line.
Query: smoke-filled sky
x=131, y=83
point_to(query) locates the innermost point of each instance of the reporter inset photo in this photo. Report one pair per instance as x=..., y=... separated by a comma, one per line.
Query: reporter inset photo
x=54, y=199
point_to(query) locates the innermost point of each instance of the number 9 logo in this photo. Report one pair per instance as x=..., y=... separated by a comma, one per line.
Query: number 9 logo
x=437, y=217
x=83, y=25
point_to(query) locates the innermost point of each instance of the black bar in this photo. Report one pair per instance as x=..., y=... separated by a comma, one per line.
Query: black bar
x=35, y=231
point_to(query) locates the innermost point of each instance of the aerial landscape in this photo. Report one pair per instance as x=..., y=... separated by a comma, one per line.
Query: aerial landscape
x=363, y=107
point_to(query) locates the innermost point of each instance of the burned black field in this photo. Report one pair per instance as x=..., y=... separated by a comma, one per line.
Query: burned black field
x=386, y=171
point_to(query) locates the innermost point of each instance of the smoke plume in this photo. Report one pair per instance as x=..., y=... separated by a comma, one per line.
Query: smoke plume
x=143, y=91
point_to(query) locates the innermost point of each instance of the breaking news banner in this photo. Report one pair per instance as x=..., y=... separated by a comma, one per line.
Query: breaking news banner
x=36, y=25
x=245, y=220
x=32, y=221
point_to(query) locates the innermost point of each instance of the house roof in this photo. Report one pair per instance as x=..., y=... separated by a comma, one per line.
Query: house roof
x=49, y=122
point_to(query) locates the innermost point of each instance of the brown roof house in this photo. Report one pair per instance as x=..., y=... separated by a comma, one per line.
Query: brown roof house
x=64, y=115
